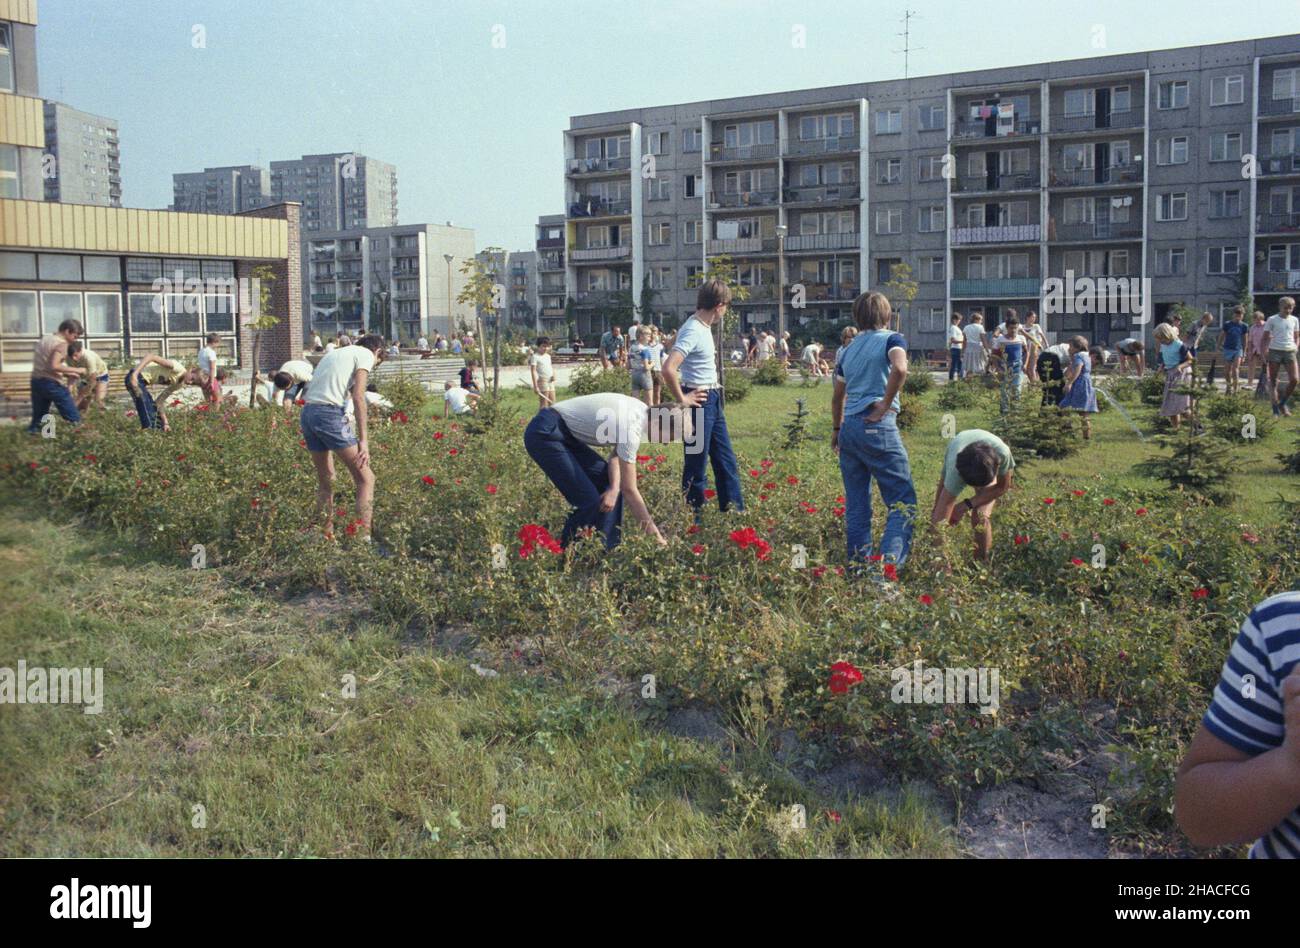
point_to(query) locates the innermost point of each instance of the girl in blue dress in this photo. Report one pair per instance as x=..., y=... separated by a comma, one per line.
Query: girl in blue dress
x=1078, y=394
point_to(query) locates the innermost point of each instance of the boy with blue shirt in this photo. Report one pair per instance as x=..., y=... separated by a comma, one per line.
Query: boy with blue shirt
x=691, y=375
x=864, y=406
x=1233, y=343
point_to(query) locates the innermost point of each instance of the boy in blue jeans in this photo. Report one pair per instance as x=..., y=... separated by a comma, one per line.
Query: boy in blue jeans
x=51, y=373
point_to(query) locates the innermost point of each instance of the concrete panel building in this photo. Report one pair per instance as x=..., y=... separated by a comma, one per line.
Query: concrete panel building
x=22, y=113
x=1176, y=166
x=87, y=166
x=551, y=293
x=229, y=190
x=338, y=192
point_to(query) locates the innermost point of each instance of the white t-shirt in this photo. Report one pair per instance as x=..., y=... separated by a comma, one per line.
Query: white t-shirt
x=545, y=373
x=330, y=347
x=1062, y=351
x=974, y=334
x=768, y=346
x=423, y=344
x=606, y=419
x=458, y=399
x=332, y=380
x=955, y=336
x=809, y=353
x=1281, y=331
x=299, y=370
x=208, y=361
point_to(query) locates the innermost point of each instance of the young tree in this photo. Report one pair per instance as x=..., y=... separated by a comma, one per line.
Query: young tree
x=901, y=289
x=486, y=296
x=262, y=320
x=721, y=268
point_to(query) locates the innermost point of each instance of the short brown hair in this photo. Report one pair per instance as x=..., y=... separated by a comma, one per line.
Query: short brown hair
x=712, y=294
x=72, y=325
x=871, y=311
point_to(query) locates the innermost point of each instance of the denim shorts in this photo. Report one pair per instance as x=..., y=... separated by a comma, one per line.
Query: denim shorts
x=1231, y=355
x=326, y=428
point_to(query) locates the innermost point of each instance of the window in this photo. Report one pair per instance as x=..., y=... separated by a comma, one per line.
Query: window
x=598, y=237
x=656, y=143
x=18, y=266
x=889, y=220
x=1171, y=261
x=930, y=167
x=1004, y=266
x=1283, y=257
x=694, y=272
x=1171, y=206
x=661, y=278
x=932, y=269
x=1223, y=260
x=10, y=186
x=749, y=133
x=18, y=313
x=6, y=59
x=58, y=266
x=885, y=268
x=694, y=186
x=1172, y=151
x=1080, y=210
x=691, y=232
x=690, y=140
x=143, y=269
x=1172, y=94
x=1080, y=102
x=56, y=307
x=1286, y=84
x=103, y=314
x=1077, y=157
x=1227, y=90
x=1226, y=146
x=219, y=312
x=931, y=117
x=660, y=189
x=888, y=170
x=1226, y=203
x=184, y=312
x=1121, y=99
x=103, y=269
x=889, y=122
x=813, y=127
x=930, y=219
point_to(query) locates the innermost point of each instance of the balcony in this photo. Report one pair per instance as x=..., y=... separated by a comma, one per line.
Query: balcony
x=741, y=245
x=720, y=152
x=1124, y=175
x=1278, y=164
x=799, y=147
x=1012, y=181
x=719, y=199
x=1277, y=281
x=1001, y=234
x=551, y=263
x=588, y=206
x=600, y=253
x=823, y=194
x=845, y=241
x=598, y=297
x=1096, y=230
x=988, y=130
x=581, y=166
x=324, y=299
x=1278, y=223
x=546, y=243
x=1021, y=289
x=323, y=254
x=827, y=292
x=1279, y=106
x=1063, y=122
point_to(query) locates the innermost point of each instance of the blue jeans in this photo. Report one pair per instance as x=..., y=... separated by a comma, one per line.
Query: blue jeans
x=47, y=392
x=580, y=473
x=145, y=409
x=954, y=363
x=868, y=451
x=714, y=446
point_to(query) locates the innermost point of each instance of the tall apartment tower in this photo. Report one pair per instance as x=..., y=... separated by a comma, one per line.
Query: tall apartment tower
x=551, y=294
x=229, y=190
x=22, y=117
x=87, y=165
x=343, y=191
x=1179, y=167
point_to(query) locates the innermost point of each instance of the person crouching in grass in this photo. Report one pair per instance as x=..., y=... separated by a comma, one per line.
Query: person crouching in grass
x=1240, y=780
x=95, y=382
x=291, y=380
x=156, y=370
x=977, y=459
x=560, y=440
x=328, y=431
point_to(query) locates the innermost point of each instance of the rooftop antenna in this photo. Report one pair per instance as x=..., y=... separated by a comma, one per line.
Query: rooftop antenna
x=907, y=40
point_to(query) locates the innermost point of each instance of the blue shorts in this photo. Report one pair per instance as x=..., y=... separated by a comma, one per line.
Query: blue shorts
x=326, y=428
x=1231, y=355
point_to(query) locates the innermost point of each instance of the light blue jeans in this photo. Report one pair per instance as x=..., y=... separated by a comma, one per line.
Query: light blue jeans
x=876, y=451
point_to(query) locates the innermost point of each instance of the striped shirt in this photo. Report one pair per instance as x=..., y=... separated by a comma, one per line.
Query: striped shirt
x=1247, y=708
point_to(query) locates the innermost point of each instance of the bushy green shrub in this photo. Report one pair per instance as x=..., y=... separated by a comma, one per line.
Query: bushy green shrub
x=1199, y=464
x=406, y=393
x=589, y=379
x=735, y=384
x=910, y=411
x=1236, y=418
x=1291, y=461
x=1035, y=430
x=919, y=380
x=770, y=372
x=961, y=394
x=1152, y=388
x=1123, y=389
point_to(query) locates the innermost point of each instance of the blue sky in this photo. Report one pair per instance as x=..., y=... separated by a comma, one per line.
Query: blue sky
x=475, y=131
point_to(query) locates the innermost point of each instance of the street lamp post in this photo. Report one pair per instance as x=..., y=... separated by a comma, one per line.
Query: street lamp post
x=781, y=231
x=449, y=258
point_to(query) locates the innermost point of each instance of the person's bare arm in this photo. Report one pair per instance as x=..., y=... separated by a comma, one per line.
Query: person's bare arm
x=837, y=413
x=672, y=382
x=537, y=387
x=1224, y=796
x=986, y=495
x=359, y=412
x=625, y=472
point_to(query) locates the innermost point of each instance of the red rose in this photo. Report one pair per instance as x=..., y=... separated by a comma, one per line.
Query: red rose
x=438, y=436
x=818, y=571
x=1076, y=561
x=697, y=549
x=1021, y=540
x=891, y=572
x=428, y=480
x=755, y=474
x=693, y=528
x=1141, y=511
x=1200, y=593
x=642, y=458
x=766, y=464
x=840, y=500
x=792, y=480
x=652, y=467
x=660, y=458
x=710, y=493
x=833, y=816
x=838, y=511
x=925, y=599
x=1049, y=500
x=1108, y=502
x=1249, y=538
x=1078, y=493
x=843, y=677
x=770, y=485
x=454, y=451
x=263, y=485
x=300, y=402
x=762, y=496
x=492, y=488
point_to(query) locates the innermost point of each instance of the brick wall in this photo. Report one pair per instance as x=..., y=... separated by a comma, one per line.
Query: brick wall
x=285, y=341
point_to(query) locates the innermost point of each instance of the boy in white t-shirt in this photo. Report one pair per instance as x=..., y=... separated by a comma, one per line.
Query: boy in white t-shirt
x=208, y=368
x=956, y=343
x=543, y=374
x=457, y=400
x=1282, y=331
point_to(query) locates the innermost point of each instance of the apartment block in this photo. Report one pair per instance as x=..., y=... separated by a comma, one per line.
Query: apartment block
x=394, y=280
x=516, y=272
x=22, y=113
x=229, y=190
x=1181, y=167
x=338, y=192
x=552, y=316
x=87, y=166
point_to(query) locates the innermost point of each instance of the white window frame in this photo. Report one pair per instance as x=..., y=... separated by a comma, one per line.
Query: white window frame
x=1173, y=198
x=1174, y=86
x=1167, y=149
x=1222, y=254
x=889, y=121
x=1223, y=85
x=892, y=216
x=1220, y=141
